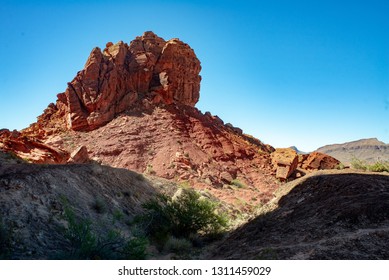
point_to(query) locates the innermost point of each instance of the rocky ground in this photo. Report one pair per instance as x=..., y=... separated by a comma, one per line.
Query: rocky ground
x=33, y=199
x=324, y=215
x=327, y=215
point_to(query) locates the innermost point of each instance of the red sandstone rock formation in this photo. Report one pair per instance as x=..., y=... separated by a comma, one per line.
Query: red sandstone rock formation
x=318, y=161
x=149, y=69
x=132, y=106
x=285, y=162
x=30, y=149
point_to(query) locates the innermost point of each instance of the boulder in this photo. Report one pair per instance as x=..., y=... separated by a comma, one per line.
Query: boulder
x=79, y=155
x=318, y=161
x=285, y=162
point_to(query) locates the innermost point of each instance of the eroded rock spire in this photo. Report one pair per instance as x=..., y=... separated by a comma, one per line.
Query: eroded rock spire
x=115, y=79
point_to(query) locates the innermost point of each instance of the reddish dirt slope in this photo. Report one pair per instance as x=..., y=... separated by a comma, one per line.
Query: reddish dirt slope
x=180, y=143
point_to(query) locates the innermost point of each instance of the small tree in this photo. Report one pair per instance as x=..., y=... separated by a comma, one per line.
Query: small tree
x=186, y=214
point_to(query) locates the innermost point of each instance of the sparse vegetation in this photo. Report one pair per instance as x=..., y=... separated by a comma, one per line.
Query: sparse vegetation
x=185, y=184
x=379, y=166
x=185, y=215
x=11, y=156
x=340, y=166
x=358, y=164
x=150, y=170
x=99, y=206
x=117, y=216
x=135, y=249
x=84, y=243
x=179, y=246
x=238, y=184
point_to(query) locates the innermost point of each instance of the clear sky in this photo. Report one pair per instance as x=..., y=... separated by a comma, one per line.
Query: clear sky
x=303, y=73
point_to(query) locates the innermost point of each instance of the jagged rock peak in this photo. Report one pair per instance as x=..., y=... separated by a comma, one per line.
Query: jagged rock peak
x=114, y=80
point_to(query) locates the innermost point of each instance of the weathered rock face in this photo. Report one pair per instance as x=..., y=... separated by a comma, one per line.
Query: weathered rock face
x=30, y=149
x=285, y=161
x=179, y=143
x=318, y=161
x=79, y=155
x=114, y=79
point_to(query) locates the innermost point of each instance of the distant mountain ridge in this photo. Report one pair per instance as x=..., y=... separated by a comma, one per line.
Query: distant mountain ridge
x=369, y=150
x=297, y=150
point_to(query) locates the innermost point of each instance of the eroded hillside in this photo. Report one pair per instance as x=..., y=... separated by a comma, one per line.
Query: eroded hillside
x=329, y=215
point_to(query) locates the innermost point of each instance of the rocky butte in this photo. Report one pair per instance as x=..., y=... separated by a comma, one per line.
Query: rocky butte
x=132, y=106
x=117, y=78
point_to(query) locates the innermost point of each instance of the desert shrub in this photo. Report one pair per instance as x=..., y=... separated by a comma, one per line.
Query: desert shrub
x=192, y=214
x=185, y=184
x=358, y=164
x=187, y=214
x=178, y=246
x=135, y=249
x=156, y=221
x=117, y=216
x=340, y=166
x=379, y=166
x=99, y=206
x=238, y=183
x=150, y=170
x=84, y=243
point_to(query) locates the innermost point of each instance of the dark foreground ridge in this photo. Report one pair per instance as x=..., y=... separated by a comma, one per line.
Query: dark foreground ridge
x=328, y=216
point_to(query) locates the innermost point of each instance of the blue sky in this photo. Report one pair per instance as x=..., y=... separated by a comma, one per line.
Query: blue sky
x=304, y=73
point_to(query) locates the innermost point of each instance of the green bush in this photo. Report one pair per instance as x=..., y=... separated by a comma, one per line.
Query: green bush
x=340, y=166
x=135, y=249
x=238, y=183
x=186, y=214
x=379, y=166
x=358, y=164
x=84, y=243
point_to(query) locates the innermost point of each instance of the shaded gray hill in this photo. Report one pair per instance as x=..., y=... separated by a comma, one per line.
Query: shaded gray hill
x=34, y=198
x=369, y=150
x=297, y=150
x=325, y=216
